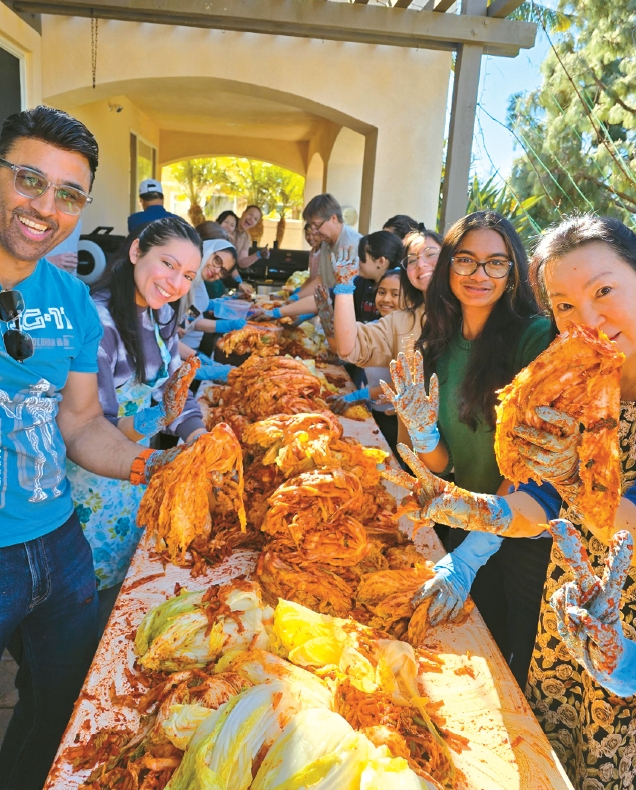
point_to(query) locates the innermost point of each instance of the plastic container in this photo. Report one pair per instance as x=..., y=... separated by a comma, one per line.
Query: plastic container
x=230, y=308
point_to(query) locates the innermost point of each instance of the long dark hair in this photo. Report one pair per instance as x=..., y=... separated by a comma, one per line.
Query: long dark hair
x=119, y=281
x=412, y=297
x=493, y=352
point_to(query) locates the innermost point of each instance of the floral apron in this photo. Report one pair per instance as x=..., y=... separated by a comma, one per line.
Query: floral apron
x=592, y=731
x=107, y=508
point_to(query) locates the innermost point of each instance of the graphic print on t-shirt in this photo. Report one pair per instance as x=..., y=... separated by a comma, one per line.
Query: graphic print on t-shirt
x=36, y=441
x=62, y=320
x=34, y=318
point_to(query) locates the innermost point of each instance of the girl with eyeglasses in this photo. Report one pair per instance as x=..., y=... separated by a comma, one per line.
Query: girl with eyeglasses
x=482, y=326
x=138, y=384
x=198, y=334
x=376, y=344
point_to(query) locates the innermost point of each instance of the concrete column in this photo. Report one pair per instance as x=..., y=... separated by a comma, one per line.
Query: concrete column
x=344, y=169
x=315, y=177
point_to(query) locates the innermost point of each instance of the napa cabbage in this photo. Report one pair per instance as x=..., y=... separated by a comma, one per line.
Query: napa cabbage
x=260, y=666
x=177, y=633
x=228, y=744
x=182, y=723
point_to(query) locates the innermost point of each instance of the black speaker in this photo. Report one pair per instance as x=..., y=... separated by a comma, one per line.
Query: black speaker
x=95, y=251
x=280, y=265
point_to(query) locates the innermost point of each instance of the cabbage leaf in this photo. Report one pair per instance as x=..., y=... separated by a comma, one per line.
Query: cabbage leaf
x=228, y=745
x=177, y=634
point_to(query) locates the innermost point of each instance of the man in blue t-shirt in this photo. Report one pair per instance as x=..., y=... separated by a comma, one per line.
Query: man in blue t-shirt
x=151, y=196
x=49, y=409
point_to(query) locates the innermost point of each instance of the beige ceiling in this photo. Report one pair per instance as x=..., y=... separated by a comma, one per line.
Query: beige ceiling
x=178, y=105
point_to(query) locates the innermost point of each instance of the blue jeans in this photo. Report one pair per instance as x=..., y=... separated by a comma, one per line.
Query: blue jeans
x=48, y=595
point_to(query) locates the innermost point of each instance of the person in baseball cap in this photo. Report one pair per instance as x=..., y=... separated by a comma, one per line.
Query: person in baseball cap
x=151, y=196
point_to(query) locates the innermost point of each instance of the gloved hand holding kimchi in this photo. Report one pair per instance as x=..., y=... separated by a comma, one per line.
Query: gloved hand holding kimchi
x=588, y=610
x=552, y=453
x=442, y=502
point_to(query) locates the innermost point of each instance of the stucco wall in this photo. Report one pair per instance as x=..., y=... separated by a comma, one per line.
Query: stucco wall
x=112, y=130
x=397, y=93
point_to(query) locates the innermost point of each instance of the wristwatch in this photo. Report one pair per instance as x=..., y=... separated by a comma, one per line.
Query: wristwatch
x=138, y=468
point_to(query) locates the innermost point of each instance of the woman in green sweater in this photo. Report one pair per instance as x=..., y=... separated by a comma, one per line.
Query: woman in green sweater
x=481, y=328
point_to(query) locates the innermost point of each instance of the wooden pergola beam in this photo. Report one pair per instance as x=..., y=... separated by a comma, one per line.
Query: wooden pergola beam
x=309, y=19
x=499, y=9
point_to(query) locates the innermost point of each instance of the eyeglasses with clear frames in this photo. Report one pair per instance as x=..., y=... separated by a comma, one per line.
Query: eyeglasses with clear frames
x=465, y=266
x=428, y=255
x=31, y=184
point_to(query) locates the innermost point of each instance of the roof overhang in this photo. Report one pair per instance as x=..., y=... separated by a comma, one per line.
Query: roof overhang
x=358, y=23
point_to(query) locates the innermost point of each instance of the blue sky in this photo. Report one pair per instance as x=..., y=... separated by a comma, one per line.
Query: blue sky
x=500, y=79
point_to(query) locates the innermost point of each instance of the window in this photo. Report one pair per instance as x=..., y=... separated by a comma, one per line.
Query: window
x=10, y=84
x=143, y=164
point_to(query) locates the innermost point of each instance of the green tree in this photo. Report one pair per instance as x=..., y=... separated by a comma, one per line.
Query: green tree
x=274, y=189
x=252, y=180
x=199, y=179
x=207, y=182
x=290, y=193
x=578, y=130
x=552, y=19
x=491, y=195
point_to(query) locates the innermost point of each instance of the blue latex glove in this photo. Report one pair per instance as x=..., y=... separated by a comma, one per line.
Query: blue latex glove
x=293, y=298
x=302, y=318
x=155, y=461
x=340, y=403
x=205, y=360
x=445, y=503
x=151, y=420
x=588, y=610
x=417, y=410
x=229, y=325
x=259, y=314
x=454, y=576
x=213, y=372
x=346, y=267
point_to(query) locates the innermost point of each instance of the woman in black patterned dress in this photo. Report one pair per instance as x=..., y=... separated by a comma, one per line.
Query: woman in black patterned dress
x=584, y=273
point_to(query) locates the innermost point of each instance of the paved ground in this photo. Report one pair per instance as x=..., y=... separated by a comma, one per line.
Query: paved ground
x=8, y=693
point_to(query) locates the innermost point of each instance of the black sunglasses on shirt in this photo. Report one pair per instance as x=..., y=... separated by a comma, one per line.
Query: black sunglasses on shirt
x=18, y=344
